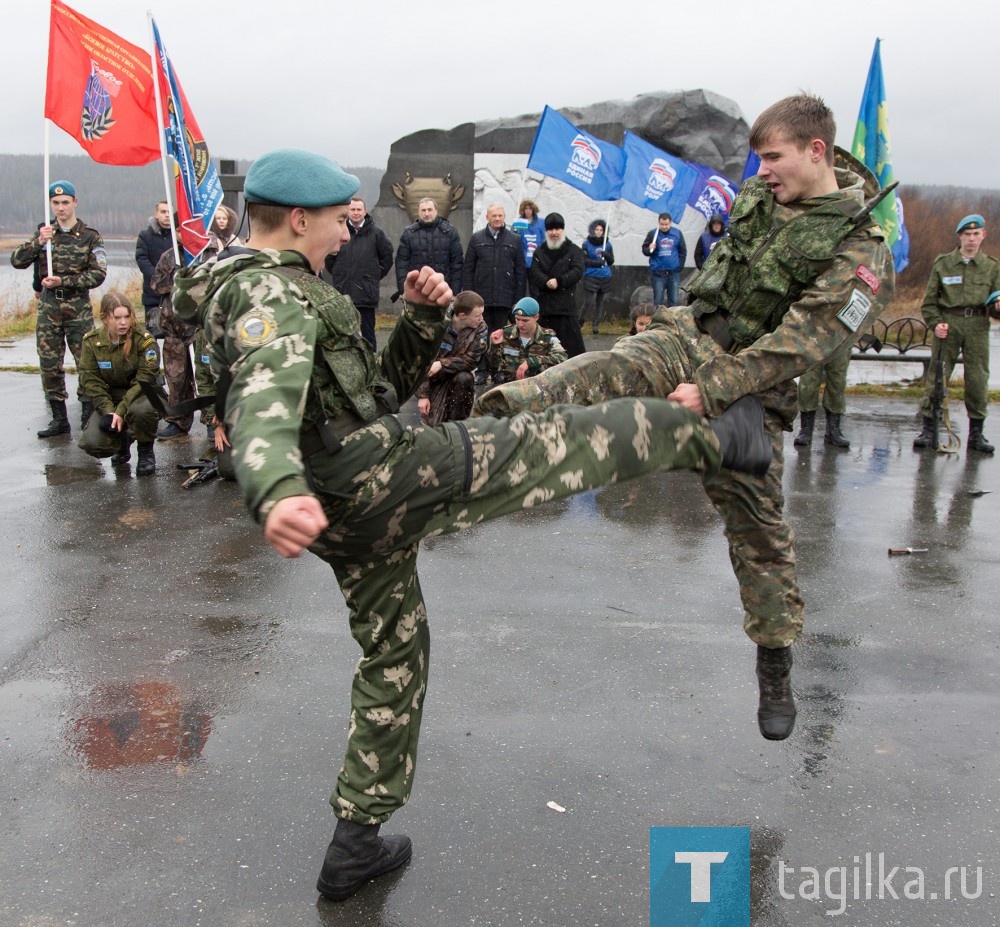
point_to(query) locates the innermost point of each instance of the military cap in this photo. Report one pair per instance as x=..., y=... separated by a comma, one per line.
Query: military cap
x=62, y=188
x=292, y=177
x=554, y=221
x=993, y=297
x=975, y=221
x=525, y=306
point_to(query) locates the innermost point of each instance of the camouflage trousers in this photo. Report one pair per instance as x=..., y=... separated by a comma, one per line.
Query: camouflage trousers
x=652, y=364
x=969, y=337
x=204, y=379
x=834, y=372
x=179, y=375
x=60, y=324
x=390, y=486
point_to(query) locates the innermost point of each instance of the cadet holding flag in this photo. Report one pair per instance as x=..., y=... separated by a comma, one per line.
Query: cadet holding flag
x=324, y=462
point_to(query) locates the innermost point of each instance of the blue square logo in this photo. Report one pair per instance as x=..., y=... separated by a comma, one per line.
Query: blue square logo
x=699, y=877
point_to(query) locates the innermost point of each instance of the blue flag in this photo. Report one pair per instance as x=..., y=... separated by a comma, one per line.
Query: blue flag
x=713, y=193
x=751, y=166
x=654, y=179
x=594, y=167
x=197, y=183
x=871, y=147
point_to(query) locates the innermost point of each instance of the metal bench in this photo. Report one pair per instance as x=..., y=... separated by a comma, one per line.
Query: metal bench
x=905, y=340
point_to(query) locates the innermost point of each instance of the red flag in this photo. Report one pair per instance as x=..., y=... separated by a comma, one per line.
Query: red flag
x=100, y=90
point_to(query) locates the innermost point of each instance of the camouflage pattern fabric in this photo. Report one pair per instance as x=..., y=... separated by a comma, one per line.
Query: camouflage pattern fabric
x=65, y=314
x=453, y=390
x=834, y=374
x=957, y=285
x=296, y=354
x=179, y=376
x=543, y=351
x=204, y=379
x=111, y=374
x=811, y=321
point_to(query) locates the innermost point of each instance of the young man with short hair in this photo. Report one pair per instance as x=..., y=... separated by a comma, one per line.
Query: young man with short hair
x=803, y=269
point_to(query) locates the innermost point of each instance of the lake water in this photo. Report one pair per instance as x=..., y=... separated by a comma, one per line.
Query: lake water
x=15, y=285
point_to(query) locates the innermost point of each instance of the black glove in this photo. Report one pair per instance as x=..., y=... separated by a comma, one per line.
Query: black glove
x=105, y=424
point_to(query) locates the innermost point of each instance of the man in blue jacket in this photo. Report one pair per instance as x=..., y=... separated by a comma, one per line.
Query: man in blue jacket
x=667, y=251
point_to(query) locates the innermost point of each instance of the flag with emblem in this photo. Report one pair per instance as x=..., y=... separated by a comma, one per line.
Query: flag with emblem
x=654, y=179
x=196, y=178
x=99, y=89
x=593, y=166
x=871, y=146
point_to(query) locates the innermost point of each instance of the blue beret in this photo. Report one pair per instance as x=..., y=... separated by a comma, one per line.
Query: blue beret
x=975, y=221
x=993, y=297
x=62, y=188
x=525, y=306
x=291, y=177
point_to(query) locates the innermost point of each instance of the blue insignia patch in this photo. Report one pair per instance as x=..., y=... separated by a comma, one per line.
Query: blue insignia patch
x=104, y=365
x=151, y=354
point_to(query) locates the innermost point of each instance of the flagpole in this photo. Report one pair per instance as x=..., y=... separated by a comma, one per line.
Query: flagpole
x=154, y=59
x=45, y=215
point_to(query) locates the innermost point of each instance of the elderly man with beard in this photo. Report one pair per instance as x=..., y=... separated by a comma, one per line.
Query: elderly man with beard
x=556, y=268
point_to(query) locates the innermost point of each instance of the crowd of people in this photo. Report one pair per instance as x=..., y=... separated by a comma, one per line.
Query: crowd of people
x=310, y=407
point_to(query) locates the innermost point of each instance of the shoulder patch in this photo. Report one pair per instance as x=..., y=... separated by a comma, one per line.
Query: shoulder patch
x=256, y=328
x=868, y=276
x=151, y=354
x=147, y=340
x=855, y=311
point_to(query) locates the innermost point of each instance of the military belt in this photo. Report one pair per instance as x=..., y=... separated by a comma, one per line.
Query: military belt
x=65, y=293
x=328, y=435
x=970, y=312
x=716, y=325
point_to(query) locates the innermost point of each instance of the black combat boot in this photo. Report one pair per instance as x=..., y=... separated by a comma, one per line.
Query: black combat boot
x=776, y=712
x=86, y=410
x=356, y=854
x=60, y=420
x=805, y=436
x=124, y=454
x=745, y=445
x=976, y=440
x=926, y=436
x=833, y=434
x=147, y=459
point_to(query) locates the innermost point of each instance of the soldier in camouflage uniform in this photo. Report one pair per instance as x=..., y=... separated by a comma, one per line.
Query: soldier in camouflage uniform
x=325, y=464
x=955, y=307
x=523, y=349
x=116, y=360
x=834, y=375
x=802, y=270
x=79, y=263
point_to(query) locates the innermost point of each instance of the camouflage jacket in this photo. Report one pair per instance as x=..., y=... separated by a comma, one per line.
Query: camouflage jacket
x=108, y=370
x=460, y=352
x=295, y=358
x=797, y=281
x=544, y=350
x=957, y=284
x=78, y=257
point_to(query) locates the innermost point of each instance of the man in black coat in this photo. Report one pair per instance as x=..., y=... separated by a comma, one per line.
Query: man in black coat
x=361, y=263
x=150, y=244
x=494, y=268
x=432, y=242
x=556, y=268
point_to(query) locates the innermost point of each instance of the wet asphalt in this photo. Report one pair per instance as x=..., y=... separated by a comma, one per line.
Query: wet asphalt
x=174, y=696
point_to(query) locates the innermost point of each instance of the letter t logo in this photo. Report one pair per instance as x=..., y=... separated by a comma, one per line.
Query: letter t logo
x=701, y=871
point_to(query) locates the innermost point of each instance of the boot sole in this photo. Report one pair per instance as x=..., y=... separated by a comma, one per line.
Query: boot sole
x=343, y=893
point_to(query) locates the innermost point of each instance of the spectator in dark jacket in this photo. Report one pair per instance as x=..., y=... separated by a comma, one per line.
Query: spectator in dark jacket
x=149, y=247
x=433, y=242
x=556, y=268
x=714, y=232
x=361, y=263
x=599, y=256
x=494, y=267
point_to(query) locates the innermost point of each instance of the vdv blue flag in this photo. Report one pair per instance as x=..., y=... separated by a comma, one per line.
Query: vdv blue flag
x=713, y=193
x=199, y=190
x=654, y=179
x=752, y=165
x=594, y=167
x=871, y=146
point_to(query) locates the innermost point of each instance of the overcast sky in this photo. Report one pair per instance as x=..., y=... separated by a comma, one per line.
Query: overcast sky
x=348, y=77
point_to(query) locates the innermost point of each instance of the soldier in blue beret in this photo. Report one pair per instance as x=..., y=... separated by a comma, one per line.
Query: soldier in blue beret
x=65, y=315
x=324, y=462
x=955, y=307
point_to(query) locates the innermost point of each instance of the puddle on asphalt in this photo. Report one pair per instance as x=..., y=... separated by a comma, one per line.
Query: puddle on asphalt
x=57, y=475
